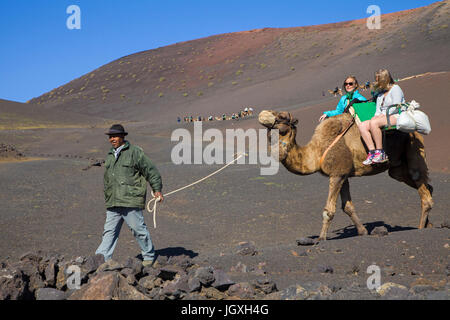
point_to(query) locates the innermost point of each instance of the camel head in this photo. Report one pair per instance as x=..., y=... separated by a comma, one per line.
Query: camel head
x=286, y=126
x=283, y=121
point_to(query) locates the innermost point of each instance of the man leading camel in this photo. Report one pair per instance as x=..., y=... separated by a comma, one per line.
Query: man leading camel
x=125, y=186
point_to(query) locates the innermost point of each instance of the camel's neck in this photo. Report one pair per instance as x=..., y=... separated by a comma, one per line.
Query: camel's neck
x=299, y=159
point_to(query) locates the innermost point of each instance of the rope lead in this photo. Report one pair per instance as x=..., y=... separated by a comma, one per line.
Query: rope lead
x=156, y=200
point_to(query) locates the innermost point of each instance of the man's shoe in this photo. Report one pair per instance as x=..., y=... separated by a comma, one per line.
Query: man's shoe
x=150, y=263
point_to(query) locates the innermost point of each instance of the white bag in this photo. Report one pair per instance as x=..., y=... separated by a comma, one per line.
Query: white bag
x=423, y=125
x=413, y=120
x=406, y=122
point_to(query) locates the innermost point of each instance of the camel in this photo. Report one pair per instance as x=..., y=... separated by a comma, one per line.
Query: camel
x=365, y=86
x=336, y=91
x=344, y=160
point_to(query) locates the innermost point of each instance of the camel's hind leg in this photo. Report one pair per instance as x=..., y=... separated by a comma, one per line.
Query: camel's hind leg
x=413, y=179
x=427, y=204
x=330, y=207
x=415, y=174
x=349, y=209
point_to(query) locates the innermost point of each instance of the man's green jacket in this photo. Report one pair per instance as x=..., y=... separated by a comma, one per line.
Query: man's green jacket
x=125, y=177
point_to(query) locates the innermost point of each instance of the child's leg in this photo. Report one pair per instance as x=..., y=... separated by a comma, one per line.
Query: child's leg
x=364, y=129
x=375, y=128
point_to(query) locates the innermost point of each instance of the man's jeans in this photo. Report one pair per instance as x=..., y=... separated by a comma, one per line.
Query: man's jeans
x=135, y=219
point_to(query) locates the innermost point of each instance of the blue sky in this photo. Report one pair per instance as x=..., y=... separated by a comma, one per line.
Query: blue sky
x=38, y=52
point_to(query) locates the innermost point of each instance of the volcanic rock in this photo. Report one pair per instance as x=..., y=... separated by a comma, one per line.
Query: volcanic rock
x=50, y=294
x=222, y=282
x=322, y=268
x=108, y=286
x=246, y=249
x=305, y=242
x=135, y=265
x=294, y=292
x=243, y=290
x=100, y=287
x=205, y=275
x=51, y=272
x=239, y=267
x=169, y=272
x=380, y=231
x=183, y=261
x=93, y=262
x=194, y=284
x=13, y=284
x=266, y=286
x=392, y=289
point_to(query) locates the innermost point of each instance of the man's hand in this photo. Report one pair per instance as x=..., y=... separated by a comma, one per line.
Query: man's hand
x=158, y=195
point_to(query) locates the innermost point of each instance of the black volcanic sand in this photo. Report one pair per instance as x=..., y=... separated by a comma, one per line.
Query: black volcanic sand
x=53, y=204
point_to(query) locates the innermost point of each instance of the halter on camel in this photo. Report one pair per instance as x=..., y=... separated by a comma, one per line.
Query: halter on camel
x=288, y=121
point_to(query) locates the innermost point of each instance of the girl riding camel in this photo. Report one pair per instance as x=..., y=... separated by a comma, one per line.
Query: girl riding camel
x=350, y=87
x=388, y=93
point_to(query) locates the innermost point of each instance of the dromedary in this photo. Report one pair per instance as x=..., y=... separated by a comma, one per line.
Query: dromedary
x=405, y=151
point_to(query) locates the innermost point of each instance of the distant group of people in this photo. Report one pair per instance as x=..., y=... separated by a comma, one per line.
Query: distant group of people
x=234, y=116
x=385, y=93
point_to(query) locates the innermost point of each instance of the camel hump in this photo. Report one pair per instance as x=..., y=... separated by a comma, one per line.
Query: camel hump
x=332, y=127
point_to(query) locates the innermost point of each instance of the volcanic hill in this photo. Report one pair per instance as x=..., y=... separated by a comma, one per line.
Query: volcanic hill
x=263, y=67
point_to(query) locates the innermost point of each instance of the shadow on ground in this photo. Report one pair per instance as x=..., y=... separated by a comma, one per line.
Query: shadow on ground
x=351, y=231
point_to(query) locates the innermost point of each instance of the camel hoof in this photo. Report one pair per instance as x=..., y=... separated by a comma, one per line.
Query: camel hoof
x=429, y=225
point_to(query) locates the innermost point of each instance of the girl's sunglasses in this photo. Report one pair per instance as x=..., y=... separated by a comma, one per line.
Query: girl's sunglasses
x=349, y=83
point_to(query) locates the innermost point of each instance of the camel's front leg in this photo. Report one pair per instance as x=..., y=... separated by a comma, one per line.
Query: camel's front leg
x=330, y=207
x=349, y=209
